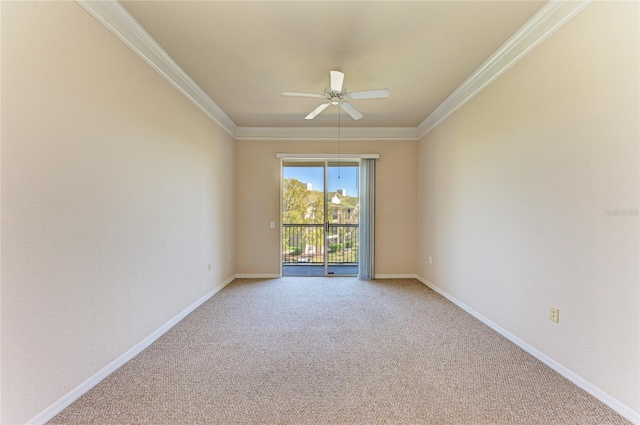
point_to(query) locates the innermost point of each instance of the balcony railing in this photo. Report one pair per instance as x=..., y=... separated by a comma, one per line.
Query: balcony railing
x=305, y=243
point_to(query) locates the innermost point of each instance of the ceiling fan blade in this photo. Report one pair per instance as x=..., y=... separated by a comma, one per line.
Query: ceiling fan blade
x=316, y=96
x=349, y=109
x=369, y=94
x=337, y=78
x=316, y=111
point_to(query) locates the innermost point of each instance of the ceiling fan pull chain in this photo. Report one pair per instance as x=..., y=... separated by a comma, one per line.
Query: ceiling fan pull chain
x=339, y=144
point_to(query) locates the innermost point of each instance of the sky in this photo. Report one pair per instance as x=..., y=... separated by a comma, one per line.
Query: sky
x=348, y=177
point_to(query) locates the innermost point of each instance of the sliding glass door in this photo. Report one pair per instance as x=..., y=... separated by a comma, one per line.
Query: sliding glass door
x=320, y=216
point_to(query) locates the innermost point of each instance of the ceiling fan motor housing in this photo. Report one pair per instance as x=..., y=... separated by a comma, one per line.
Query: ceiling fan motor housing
x=336, y=97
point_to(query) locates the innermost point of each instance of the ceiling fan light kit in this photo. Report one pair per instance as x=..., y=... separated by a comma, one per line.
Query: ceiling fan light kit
x=336, y=94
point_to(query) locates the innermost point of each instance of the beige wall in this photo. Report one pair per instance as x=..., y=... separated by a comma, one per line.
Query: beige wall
x=514, y=190
x=116, y=191
x=259, y=201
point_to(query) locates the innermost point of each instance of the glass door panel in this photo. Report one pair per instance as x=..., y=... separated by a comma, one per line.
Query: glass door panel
x=342, y=211
x=303, y=219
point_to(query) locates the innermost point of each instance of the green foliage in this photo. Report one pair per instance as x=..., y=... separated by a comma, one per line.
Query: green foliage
x=294, y=205
x=298, y=204
x=335, y=247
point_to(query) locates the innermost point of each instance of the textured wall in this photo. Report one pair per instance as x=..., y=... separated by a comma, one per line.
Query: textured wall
x=259, y=201
x=518, y=192
x=116, y=192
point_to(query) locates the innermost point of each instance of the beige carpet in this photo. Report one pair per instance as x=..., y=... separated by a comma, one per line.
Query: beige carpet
x=334, y=351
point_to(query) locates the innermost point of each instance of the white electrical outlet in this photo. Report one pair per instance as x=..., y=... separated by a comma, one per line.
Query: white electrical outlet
x=209, y=266
x=272, y=224
x=554, y=314
x=430, y=260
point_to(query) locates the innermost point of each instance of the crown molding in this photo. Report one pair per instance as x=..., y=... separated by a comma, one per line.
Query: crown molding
x=115, y=17
x=327, y=133
x=551, y=17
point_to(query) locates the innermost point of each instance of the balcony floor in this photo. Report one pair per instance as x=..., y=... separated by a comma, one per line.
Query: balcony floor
x=318, y=270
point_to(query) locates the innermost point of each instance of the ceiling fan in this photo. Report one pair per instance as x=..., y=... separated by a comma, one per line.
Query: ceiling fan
x=336, y=94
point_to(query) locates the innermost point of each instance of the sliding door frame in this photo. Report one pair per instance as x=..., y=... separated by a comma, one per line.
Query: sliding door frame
x=326, y=159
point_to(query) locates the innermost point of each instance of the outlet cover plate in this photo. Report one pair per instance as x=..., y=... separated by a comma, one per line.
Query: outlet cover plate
x=554, y=314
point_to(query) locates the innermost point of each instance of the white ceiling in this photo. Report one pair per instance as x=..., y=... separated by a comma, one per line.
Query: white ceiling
x=245, y=54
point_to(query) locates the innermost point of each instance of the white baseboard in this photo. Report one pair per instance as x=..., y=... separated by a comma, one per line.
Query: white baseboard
x=277, y=276
x=614, y=404
x=81, y=389
x=395, y=276
x=258, y=276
